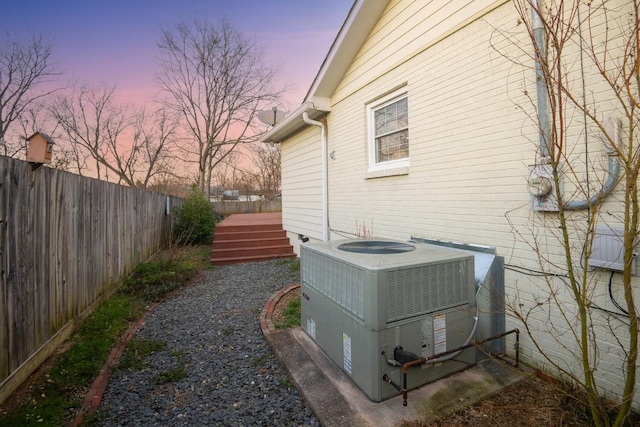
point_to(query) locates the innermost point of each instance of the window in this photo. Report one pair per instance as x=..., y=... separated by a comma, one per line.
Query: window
x=389, y=132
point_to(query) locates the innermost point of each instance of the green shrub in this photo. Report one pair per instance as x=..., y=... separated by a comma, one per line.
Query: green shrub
x=194, y=220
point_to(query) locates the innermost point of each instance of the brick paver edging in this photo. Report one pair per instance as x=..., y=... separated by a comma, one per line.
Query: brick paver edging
x=97, y=389
x=266, y=322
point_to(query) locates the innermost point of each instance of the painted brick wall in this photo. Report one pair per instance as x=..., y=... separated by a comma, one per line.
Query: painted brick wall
x=301, y=185
x=470, y=84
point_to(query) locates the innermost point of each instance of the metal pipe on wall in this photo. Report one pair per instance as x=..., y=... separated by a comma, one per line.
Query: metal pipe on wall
x=538, y=28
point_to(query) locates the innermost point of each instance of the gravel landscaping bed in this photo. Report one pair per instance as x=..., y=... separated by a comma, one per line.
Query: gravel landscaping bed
x=214, y=366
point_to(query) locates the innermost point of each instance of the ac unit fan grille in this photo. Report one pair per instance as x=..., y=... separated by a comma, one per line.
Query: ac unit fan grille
x=424, y=289
x=337, y=280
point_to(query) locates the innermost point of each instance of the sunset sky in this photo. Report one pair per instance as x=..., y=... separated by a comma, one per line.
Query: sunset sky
x=114, y=42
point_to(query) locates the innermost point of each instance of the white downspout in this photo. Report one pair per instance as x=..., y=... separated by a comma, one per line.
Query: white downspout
x=325, y=209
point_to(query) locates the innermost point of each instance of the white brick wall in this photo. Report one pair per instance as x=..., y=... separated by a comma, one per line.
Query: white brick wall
x=301, y=185
x=471, y=141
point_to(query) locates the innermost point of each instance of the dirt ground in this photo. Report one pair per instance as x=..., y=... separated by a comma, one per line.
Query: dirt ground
x=532, y=403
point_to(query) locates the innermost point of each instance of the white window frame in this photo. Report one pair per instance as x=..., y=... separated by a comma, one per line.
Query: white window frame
x=400, y=164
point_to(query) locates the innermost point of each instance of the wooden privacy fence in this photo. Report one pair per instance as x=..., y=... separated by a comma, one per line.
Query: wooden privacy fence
x=65, y=241
x=227, y=208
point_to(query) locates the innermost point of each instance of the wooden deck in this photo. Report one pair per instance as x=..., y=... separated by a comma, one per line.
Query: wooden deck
x=250, y=237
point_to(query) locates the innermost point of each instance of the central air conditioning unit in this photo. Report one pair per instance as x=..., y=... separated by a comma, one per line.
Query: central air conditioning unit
x=365, y=300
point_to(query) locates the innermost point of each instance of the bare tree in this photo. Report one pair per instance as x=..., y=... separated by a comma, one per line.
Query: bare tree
x=587, y=101
x=37, y=118
x=154, y=139
x=25, y=70
x=32, y=119
x=94, y=124
x=168, y=183
x=228, y=175
x=216, y=79
x=132, y=145
x=266, y=170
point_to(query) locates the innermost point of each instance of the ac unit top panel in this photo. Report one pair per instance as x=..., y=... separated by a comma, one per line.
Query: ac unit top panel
x=380, y=288
x=423, y=254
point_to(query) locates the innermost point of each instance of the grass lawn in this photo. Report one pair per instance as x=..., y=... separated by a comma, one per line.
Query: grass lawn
x=53, y=397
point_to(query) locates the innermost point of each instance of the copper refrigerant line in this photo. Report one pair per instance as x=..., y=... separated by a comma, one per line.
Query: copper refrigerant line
x=422, y=360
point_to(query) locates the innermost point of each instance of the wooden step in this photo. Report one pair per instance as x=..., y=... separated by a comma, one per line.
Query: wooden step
x=250, y=237
x=252, y=251
x=239, y=228
x=251, y=243
x=222, y=235
x=240, y=260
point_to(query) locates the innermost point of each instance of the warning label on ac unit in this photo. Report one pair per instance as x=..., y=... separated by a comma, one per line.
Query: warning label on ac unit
x=311, y=328
x=346, y=352
x=427, y=337
x=439, y=334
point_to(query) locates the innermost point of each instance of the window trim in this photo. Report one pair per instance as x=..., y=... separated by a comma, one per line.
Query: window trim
x=374, y=168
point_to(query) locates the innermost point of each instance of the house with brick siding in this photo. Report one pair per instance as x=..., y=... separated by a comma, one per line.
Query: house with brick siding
x=423, y=122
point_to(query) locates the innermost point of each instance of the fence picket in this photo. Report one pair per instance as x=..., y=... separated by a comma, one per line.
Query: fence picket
x=65, y=240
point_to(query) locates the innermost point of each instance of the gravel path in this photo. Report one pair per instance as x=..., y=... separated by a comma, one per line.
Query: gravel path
x=212, y=338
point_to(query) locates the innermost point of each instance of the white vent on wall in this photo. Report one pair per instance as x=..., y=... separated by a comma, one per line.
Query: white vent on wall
x=608, y=249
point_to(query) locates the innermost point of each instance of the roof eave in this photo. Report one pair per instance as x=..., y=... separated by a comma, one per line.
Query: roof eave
x=357, y=27
x=294, y=121
x=46, y=137
x=359, y=23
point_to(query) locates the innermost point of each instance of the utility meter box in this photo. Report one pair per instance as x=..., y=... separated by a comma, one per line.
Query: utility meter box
x=39, y=148
x=542, y=188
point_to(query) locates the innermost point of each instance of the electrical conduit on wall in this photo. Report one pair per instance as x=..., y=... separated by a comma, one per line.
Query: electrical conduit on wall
x=543, y=116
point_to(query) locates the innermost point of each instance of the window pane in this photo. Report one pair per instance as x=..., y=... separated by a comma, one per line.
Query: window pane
x=403, y=114
x=391, y=117
x=381, y=123
x=391, y=130
x=392, y=146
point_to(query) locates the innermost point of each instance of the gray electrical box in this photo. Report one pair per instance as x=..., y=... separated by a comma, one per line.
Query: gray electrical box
x=363, y=298
x=608, y=249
